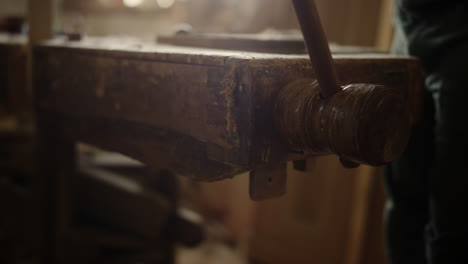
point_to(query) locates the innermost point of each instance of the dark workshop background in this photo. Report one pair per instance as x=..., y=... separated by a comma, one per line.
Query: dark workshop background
x=329, y=215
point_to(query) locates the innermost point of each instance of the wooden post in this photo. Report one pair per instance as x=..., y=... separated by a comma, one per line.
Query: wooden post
x=54, y=155
x=56, y=162
x=41, y=19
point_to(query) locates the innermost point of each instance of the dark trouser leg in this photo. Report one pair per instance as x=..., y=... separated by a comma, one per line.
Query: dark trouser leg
x=407, y=210
x=436, y=32
x=448, y=235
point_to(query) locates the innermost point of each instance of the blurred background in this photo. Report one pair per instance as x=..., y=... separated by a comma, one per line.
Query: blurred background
x=352, y=22
x=329, y=215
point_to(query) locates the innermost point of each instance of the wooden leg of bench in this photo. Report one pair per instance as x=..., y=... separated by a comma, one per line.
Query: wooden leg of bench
x=56, y=160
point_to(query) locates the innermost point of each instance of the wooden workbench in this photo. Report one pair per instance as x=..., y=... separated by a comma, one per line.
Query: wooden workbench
x=206, y=114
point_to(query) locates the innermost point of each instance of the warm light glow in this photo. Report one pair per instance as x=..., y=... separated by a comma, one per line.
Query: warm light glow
x=132, y=3
x=165, y=3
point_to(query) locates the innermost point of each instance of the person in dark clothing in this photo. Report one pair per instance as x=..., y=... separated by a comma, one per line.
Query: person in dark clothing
x=427, y=211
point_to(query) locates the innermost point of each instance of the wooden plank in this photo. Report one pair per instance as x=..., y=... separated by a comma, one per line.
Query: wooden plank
x=202, y=113
x=158, y=148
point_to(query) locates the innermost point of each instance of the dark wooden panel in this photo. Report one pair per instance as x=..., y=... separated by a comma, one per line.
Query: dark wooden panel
x=14, y=96
x=184, y=98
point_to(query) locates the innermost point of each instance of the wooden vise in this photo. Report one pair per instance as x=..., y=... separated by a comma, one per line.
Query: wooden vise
x=211, y=115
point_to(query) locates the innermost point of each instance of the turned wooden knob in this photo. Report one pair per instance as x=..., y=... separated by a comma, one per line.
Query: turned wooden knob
x=361, y=123
x=364, y=123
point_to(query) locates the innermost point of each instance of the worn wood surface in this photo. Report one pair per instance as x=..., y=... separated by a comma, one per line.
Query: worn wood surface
x=289, y=43
x=203, y=113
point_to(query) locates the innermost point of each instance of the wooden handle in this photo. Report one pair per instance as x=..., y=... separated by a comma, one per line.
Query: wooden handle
x=317, y=47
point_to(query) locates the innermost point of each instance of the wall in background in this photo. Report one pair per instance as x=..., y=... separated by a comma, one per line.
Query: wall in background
x=13, y=7
x=350, y=22
x=347, y=22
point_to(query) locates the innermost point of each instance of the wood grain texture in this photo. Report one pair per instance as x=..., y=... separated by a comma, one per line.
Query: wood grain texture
x=202, y=113
x=364, y=123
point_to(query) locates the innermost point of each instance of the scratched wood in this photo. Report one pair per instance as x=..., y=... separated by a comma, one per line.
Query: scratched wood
x=203, y=113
